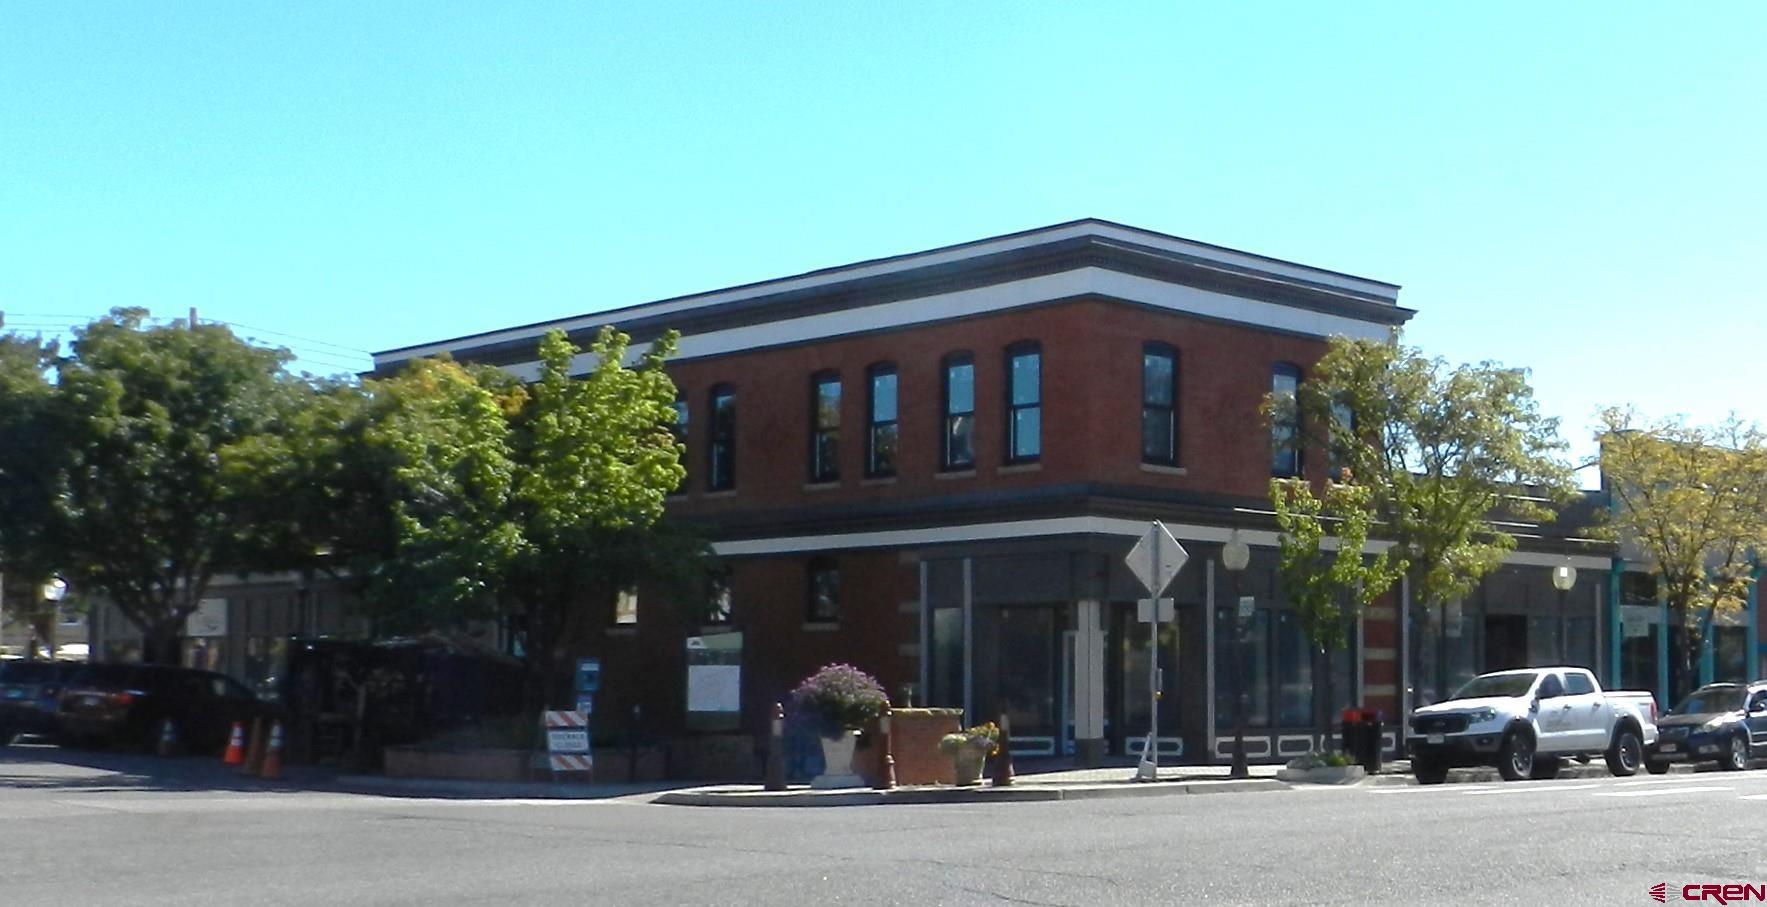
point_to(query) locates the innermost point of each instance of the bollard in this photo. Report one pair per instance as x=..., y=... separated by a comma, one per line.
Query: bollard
x=776, y=750
x=1003, y=762
x=887, y=777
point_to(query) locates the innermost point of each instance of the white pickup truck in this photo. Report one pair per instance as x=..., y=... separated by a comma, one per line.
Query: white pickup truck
x=1527, y=722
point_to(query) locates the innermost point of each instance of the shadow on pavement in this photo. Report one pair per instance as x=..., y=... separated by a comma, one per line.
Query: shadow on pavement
x=44, y=766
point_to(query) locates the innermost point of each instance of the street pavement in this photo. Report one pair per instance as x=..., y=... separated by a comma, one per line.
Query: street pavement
x=119, y=829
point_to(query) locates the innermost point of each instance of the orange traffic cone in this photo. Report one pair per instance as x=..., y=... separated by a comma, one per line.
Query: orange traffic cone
x=273, y=754
x=254, y=750
x=235, y=754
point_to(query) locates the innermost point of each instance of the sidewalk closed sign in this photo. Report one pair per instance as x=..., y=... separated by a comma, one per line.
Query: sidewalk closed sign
x=567, y=741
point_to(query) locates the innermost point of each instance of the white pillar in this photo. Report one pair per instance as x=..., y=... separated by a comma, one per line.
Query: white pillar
x=1089, y=661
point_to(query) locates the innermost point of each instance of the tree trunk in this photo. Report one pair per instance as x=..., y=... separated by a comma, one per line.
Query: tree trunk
x=159, y=643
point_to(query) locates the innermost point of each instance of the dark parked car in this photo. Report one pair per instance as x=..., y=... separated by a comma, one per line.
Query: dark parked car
x=30, y=693
x=133, y=704
x=1722, y=722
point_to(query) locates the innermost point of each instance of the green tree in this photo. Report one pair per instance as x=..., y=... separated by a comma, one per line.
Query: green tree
x=149, y=417
x=1691, y=502
x=1449, y=456
x=1325, y=572
x=596, y=461
x=33, y=469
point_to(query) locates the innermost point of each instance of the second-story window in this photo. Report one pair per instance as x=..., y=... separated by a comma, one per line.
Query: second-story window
x=1024, y=402
x=1159, y=405
x=1285, y=420
x=721, y=446
x=880, y=443
x=957, y=449
x=1343, y=434
x=825, y=427
x=679, y=430
x=824, y=605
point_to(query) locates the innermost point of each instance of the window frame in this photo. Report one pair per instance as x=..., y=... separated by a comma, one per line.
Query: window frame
x=678, y=428
x=1015, y=352
x=1150, y=349
x=715, y=439
x=1293, y=424
x=816, y=568
x=874, y=372
x=948, y=362
x=822, y=472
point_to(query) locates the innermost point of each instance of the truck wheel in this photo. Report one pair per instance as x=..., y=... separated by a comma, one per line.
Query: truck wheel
x=1736, y=755
x=1515, y=761
x=1626, y=753
x=1545, y=769
x=1428, y=771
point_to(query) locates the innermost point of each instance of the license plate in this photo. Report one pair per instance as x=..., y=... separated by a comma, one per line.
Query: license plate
x=89, y=700
x=1435, y=738
x=1670, y=747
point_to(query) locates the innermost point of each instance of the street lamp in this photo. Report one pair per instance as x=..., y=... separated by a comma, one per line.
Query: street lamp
x=1564, y=576
x=1235, y=555
x=53, y=592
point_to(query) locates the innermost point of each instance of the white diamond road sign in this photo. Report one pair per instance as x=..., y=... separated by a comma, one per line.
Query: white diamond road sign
x=1156, y=558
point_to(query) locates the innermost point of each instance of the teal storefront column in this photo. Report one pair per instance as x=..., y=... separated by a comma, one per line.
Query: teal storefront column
x=1614, y=628
x=1752, y=619
x=1663, y=650
x=1708, y=658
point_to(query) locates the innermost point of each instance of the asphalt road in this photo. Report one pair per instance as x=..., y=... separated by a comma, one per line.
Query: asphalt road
x=84, y=829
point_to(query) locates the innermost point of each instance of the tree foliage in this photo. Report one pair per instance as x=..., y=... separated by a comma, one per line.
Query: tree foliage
x=1326, y=573
x=146, y=419
x=32, y=472
x=1443, y=453
x=1691, y=502
x=1329, y=585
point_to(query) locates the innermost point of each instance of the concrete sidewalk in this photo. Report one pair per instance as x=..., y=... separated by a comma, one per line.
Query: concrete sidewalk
x=1065, y=784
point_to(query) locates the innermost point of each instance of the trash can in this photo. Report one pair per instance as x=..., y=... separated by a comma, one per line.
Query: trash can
x=1372, y=732
x=1352, y=734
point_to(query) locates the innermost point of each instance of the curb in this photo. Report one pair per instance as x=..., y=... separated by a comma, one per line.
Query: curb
x=1483, y=775
x=1028, y=793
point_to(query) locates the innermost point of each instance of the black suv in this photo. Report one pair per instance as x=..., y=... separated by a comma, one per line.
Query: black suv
x=135, y=704
x=1722, y=722
x=30, y=692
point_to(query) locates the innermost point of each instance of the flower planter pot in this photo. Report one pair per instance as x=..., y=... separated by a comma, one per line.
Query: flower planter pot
x=968, y=763
x=1339, y=774
x=837, y=762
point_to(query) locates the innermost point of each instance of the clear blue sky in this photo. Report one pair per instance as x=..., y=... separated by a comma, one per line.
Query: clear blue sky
x=1577, y=188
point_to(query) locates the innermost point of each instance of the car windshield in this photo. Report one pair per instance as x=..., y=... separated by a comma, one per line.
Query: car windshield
x=1496, y=685
x=1706, y=702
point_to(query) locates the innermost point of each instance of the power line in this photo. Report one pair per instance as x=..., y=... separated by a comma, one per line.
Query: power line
x=338, y=346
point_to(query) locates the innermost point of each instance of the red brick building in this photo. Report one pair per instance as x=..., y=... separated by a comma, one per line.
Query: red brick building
x=931, y=466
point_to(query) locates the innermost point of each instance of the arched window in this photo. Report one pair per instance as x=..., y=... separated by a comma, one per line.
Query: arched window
x=1024, y=402
x=1159, y=404
x=957, y=447
x=881, y=433
x=1285, y=420
x=824, y=605
x=825, y=427
x=721, y=446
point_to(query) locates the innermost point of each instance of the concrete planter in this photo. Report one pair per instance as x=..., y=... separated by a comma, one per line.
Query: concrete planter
x=458, y=764
x=1337, y=774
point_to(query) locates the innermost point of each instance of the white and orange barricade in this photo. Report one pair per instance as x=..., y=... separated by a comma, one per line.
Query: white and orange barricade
x=567, y=742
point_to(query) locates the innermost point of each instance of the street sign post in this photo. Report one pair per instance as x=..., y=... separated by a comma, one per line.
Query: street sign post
x=1154, y=560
